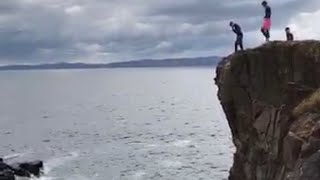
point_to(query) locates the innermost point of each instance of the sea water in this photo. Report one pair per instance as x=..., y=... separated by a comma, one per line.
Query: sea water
x=116, y=124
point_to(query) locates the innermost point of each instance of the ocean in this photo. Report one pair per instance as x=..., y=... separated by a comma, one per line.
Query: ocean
x=116, y=124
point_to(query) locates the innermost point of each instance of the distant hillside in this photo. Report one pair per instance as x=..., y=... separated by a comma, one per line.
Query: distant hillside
x=182, y=62
x=54, y=66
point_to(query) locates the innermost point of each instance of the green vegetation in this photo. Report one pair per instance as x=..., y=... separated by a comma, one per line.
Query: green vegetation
x=311, y=104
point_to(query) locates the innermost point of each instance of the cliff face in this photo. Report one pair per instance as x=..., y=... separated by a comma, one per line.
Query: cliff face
x=272, y=102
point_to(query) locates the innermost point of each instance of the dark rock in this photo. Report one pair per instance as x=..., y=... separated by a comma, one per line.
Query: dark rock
x=6, y=172
x=310, y=169
x=25, y=169
x=7, y=175
x=271, y=99
x=35, y=167
x=20, y=171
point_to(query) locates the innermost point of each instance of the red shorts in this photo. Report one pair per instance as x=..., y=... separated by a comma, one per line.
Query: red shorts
x=266, y=24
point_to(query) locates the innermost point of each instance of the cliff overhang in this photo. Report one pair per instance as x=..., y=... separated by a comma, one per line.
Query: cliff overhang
x=271, y=98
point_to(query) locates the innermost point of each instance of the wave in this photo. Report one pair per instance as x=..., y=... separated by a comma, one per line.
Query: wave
x=59, y=161
x=14, y=156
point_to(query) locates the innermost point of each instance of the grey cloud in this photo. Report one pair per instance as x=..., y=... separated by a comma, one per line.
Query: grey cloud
x=110, y=30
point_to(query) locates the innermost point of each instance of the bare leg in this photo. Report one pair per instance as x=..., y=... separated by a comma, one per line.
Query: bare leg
x=265, y=34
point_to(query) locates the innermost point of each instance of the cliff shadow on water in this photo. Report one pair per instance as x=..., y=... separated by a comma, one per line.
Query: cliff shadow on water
x=271, y=98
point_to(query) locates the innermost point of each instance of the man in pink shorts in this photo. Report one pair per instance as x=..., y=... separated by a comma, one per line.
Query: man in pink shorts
x=265, y=29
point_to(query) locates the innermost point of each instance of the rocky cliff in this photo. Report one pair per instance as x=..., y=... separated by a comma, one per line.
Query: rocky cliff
x=271, y=99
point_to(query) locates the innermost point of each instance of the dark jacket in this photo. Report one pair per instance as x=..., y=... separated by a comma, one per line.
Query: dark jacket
x=237, y=29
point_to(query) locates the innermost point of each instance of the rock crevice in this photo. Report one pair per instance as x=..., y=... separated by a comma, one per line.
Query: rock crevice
x=271, y=99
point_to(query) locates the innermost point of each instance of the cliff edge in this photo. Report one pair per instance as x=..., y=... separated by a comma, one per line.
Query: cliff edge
x=271, y=98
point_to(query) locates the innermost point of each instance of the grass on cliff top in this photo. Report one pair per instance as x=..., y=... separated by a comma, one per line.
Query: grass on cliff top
x=311, y=104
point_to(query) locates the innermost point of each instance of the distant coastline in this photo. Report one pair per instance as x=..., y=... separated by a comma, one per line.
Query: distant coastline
x=180, y=62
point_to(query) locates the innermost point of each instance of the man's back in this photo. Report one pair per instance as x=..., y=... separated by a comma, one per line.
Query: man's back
x=267, y=12
x=237, y=29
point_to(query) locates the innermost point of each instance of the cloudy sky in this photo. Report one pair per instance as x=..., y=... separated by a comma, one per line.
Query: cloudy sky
x=48, y=31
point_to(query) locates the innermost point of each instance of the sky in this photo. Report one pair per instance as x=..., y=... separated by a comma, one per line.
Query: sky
x=103, y=31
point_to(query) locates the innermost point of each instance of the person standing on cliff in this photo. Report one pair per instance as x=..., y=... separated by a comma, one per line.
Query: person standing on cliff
x=289, y=34
x=237, y=30
x=266, y=25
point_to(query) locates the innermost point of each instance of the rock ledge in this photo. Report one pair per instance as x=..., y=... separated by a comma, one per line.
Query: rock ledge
x=271, y=99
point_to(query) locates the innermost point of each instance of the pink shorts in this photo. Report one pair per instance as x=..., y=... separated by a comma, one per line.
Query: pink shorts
x=266, y=24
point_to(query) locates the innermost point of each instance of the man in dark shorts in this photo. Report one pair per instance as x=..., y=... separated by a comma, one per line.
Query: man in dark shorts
x=289, y=34
x=237, y=30
x=266, y=25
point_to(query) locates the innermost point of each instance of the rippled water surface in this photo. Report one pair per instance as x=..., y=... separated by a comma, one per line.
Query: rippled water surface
x=116, y=124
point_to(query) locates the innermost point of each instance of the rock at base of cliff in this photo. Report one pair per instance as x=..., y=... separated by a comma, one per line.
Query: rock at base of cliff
x=24, y=169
